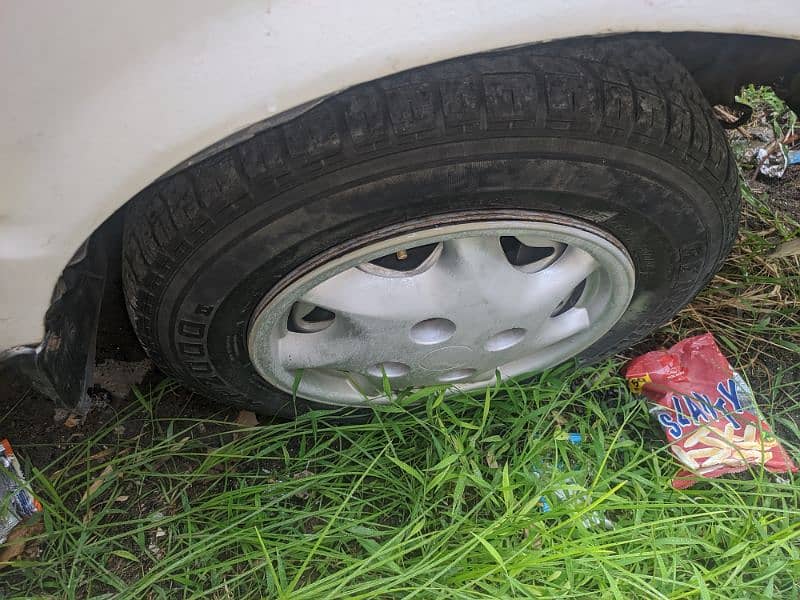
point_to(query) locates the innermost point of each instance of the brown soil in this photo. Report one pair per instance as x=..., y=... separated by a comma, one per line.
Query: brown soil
x=784, y=193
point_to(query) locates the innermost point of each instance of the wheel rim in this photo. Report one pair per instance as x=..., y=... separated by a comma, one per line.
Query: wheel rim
x=446, y=304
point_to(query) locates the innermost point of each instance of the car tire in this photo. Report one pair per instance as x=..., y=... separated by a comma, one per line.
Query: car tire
x=611, y=134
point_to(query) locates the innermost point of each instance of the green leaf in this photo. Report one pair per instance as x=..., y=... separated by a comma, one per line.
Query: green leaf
x=508, y=493
x=491, y=550
x=126, y=555
x=407, y=468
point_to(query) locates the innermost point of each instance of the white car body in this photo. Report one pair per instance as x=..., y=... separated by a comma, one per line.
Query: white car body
x=102, y=98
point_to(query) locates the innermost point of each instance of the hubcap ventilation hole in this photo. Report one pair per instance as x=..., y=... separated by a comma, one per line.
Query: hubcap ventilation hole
x=456, y=375
x=405, y=260
x=530, y=257
x=307, y=318
x=432, y=331
x=392, y=369
x=570, y=302
x=505, y=339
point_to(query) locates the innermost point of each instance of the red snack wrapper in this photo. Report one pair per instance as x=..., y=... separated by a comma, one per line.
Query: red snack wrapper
x=707, y=411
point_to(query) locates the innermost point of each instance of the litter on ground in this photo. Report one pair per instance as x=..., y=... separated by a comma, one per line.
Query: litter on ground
x=16, y=501
x=707, y=411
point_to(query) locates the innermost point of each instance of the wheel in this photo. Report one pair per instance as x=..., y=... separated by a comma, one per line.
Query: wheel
x=498, y=212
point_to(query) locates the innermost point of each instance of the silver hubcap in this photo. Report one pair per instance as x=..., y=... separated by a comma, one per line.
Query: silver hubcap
x=442, y=305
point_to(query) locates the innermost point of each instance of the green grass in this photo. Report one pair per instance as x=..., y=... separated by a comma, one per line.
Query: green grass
x=765, y=102
x=438, y=497
x=753, y=304
x=437, y=500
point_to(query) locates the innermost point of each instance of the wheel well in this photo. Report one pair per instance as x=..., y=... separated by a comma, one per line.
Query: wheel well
x=719, y=63
x=722, y=63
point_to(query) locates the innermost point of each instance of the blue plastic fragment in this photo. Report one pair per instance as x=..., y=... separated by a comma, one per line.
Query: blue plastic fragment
x=575, y=438
x=794, y=157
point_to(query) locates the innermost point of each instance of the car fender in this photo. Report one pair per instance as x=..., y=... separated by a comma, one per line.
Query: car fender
x=102, y=98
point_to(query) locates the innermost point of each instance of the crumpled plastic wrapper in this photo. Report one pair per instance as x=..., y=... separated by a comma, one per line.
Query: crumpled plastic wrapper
x=772, y=165
x=707, y=411
x=16, y=501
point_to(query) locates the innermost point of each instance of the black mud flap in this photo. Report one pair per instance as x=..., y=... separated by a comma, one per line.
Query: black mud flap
x=61, y=365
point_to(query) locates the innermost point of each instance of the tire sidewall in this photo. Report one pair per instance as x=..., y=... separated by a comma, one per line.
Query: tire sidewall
x=666, y=219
